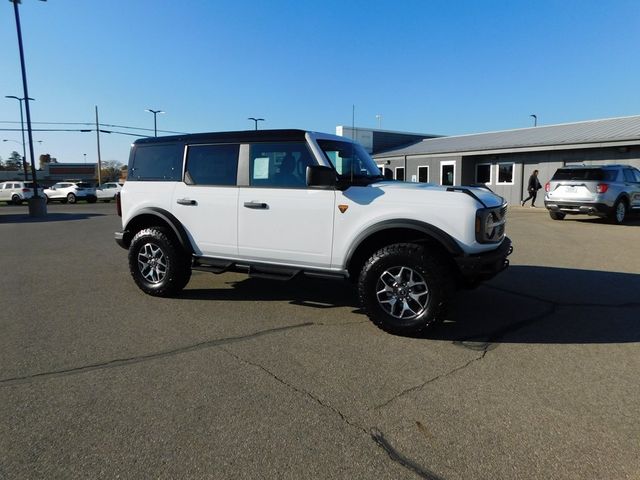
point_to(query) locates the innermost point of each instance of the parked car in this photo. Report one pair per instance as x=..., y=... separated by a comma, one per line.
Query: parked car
x=71, y=192
x=609, y=191
x=108, y=191
x=16, y=192
x=282, y=203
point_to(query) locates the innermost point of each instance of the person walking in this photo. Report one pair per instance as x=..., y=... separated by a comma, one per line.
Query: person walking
x=532, y=188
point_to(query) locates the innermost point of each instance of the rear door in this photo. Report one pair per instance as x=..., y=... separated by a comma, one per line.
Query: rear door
x=280, y=219
x=206, y=200
x=632, y=180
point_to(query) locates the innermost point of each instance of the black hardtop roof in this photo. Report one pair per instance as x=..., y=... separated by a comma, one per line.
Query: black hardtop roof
x=240, y=136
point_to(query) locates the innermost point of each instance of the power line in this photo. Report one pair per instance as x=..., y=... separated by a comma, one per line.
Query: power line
x=92, y=124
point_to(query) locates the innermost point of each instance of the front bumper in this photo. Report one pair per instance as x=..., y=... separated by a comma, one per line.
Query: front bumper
x=576, y=208
x=483, y=266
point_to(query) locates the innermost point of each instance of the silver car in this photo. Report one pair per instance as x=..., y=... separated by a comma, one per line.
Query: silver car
x=609, y=191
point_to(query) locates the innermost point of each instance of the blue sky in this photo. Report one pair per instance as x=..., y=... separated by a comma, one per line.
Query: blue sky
x=444, y=67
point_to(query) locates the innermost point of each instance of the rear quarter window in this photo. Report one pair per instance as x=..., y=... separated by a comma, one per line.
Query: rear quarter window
x=156, y=163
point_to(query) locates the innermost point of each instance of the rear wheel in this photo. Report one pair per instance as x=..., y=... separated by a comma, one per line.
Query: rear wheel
x=16, y=200
x=71, y=198
x=404, y=288
x=619, y=212
x=157, y=262
x=557, y=215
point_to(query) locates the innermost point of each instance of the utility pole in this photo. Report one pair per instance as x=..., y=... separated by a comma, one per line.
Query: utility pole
x=99, y=159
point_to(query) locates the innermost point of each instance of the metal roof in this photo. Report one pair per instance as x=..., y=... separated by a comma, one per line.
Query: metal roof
x=590, y=132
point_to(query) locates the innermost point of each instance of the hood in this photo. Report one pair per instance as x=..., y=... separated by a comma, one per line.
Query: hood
x=484, y=195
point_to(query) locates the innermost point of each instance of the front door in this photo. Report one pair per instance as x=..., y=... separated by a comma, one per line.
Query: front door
x=280, y=220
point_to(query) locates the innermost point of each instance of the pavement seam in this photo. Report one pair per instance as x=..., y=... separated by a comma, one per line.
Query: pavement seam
x=144, y=358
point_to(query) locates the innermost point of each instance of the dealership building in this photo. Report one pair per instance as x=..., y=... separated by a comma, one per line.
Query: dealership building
x=504, y=160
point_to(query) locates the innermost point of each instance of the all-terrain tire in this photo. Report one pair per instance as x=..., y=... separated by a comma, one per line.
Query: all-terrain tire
x=158, y=264
x=404, y=288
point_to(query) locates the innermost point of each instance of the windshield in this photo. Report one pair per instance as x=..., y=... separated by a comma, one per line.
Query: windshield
x=350, y=160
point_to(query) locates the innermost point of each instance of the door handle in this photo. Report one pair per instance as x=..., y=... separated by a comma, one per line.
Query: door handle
x=186, y=201
x=256, y=205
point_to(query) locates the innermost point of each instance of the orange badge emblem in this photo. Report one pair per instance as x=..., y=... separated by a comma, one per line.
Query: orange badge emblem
x=343, y=208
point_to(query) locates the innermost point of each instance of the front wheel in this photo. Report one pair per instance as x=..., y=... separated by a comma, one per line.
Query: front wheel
x=404, y=289
x=557, y=215
x=157, y=262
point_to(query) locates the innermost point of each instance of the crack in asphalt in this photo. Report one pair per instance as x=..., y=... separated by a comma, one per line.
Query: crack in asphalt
x=145, y=358
x=374, y=434
x=431, y=380
x=399, y=458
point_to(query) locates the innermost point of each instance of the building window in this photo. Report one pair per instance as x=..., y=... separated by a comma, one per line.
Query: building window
x=423, y=174
x=483, y=173
x=447, y=172
x=505, y=174
x=400, y=173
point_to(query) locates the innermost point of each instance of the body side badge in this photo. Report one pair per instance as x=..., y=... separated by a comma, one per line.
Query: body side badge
x=343, y=208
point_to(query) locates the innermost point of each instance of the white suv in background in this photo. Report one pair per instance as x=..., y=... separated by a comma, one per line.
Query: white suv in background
x=282, y=203
x=108, y=191
x=71, y=192
x=16, y=192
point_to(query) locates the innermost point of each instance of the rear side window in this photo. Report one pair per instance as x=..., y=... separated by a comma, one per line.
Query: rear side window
x=212, y=165
x=156, y=163
x=585, y=174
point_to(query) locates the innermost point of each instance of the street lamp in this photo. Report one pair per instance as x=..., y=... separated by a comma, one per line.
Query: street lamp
x=85, y=157
x=155, y=124
x=535, y=120
x=37, y=206
x=256, y=120
x=24, y=148
x=379, y=118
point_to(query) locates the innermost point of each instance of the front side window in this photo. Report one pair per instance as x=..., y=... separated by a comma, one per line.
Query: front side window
x=483, y=173
x=351, y=161
x=279, y=165
x=505, y=173
x=212, y=165
x=157, y=163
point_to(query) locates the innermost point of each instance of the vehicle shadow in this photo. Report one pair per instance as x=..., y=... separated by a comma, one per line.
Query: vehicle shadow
x=524, y=304
x=50, y=217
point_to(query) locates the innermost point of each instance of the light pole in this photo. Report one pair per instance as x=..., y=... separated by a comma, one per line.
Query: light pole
x=24, y=148
x=535, y=120
x=37, y=205
x=256, y=120
x=379, y=118
x=85, y=157
x=155, y=124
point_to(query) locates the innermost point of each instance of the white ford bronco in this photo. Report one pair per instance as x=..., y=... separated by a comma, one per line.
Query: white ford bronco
x=283, y=203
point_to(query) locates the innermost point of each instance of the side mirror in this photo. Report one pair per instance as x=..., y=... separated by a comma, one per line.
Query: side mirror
x=321, y=177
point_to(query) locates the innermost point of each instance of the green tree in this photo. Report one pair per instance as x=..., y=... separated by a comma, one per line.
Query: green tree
x=14, y=162
x=110, y=170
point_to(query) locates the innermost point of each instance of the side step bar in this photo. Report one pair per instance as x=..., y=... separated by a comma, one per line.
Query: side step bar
x=217, y=266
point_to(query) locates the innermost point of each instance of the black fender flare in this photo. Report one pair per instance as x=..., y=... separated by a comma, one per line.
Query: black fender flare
x=435, y=233
x=169, y=219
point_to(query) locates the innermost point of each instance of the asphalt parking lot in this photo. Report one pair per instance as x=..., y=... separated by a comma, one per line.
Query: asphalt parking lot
x=534, y=375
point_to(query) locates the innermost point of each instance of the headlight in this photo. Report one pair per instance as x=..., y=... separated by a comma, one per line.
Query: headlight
x=490, y=224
